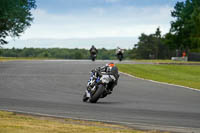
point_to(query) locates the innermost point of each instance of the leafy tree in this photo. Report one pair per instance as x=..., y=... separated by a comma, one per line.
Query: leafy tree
x=151, y=46
x=144, y=48
x=195, y=35
x=185, y=30
x=15, y=17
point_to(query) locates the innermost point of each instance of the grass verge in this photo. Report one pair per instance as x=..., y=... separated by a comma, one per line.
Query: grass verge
x=185, y=75
x=18, y=123
x=168, y=61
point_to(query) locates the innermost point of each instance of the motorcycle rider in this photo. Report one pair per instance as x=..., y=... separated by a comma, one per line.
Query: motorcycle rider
x=93, y=50
x=109, y=69
x=119, y=52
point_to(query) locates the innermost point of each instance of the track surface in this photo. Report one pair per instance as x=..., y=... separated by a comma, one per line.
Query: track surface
x=56, y=88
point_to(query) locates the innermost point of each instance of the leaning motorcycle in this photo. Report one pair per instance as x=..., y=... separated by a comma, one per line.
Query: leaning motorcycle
x=101, y=84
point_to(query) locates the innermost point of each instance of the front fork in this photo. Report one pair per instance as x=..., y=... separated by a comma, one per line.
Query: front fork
x=87, y=93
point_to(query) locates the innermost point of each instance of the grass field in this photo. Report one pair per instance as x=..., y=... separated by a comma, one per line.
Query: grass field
x=168, y=61
x=186, y=75
x=15, y=123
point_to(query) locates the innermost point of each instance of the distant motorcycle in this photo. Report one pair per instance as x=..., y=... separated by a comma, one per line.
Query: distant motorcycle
x=119, y=53
x=120, y=56
x=101, y=84
x=93, y=57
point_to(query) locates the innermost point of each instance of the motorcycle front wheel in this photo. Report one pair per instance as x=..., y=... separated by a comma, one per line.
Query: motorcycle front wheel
x=120, y=57
x=85, y=98
x=95, y=97
x=93, y=58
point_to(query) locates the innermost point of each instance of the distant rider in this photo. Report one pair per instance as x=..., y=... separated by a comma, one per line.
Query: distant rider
x=93, y=50
x=119, y=51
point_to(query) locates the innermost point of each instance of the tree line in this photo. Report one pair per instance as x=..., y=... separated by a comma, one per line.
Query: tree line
x=61, y=53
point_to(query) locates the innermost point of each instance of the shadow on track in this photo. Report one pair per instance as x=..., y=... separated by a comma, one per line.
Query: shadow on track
x=108, y=103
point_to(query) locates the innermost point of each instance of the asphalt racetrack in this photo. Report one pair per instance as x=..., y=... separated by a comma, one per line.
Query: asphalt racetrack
x=56, y=88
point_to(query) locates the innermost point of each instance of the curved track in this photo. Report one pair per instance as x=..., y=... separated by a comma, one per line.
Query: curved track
x=56, y=87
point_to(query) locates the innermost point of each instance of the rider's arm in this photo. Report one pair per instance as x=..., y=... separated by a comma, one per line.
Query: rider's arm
x=100, y=69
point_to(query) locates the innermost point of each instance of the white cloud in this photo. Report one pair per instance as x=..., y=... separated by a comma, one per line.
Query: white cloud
x=129, y=21
x=99, y=11
x=99, y=23
x=109, y=43
x=112, y=1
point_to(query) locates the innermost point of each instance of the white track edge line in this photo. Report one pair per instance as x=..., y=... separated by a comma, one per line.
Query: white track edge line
x=193, y=89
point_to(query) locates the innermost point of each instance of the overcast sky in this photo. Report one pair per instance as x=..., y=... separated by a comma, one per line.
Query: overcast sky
x=104, y=23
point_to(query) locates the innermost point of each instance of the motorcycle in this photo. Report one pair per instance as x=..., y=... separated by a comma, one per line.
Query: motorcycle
x=119, y=53
x=93, y=57
x=100, y=84
x=120, y=56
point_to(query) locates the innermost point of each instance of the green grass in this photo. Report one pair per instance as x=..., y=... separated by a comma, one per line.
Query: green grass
x=168, y=61
x=186, y=75
x=15, y=123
